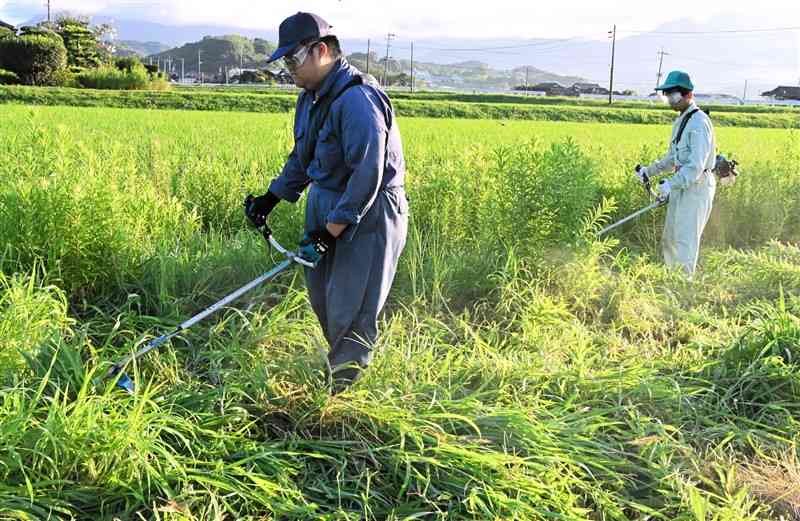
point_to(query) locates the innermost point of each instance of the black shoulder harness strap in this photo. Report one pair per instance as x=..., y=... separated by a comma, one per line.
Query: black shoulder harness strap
x=683, y=125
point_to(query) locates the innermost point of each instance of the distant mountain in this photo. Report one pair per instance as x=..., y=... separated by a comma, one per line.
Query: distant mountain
x=176, y=35
x=471, y=64
x=465, y=75
x=215, y=53
x=133, y=47
x=719, y=62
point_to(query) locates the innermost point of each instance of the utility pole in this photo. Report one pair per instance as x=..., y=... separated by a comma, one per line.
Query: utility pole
x=661, y=55
x=199, y=63
x=182, y=77
x=412, y=66
x=527, y=69
x=389, y=38
x=368, y=51
x=613, y=34
x=48, y=13
x=744, y=96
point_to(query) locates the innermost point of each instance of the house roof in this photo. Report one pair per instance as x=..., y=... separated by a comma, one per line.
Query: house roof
x=784, y=90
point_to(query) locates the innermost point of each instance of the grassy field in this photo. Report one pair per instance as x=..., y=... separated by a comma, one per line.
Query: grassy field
x=401, y=93
x=525, y=371
x=434, y=105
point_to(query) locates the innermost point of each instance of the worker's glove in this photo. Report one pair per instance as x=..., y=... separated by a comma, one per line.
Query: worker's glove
x=641, y=174
x=664, y=189
x=258, y=208
x=315, y=245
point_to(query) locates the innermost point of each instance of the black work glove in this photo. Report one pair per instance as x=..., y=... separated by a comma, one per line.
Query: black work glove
x=316, y=244
x=258, y=208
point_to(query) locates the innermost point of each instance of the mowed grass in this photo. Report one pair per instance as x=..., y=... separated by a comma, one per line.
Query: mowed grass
x=525, y=371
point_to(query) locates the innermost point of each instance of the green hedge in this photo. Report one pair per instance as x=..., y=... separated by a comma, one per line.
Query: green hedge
x=37, y=59
x=277, y=103
x=8, y=77
x=131, y=77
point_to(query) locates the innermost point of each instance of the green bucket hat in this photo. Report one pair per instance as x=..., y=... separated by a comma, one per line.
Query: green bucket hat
x=677, y=79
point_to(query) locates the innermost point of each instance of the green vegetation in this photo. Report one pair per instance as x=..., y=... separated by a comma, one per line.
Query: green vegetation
x=8, y=77
x=84, y=43
x=126, y=74
x=526, y=371
x=275, y=101
x=518, y=99
x=219, y=52
x=70, y=52
x=146, y=99
x=583, y=102
x=34, y=58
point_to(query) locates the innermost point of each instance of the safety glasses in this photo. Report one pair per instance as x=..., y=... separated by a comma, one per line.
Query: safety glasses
x=298, y=58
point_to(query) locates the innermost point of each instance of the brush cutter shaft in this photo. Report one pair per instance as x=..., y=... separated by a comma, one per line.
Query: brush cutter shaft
x=656, y=204
x=203, y=314
x=291, y=258
x=236, y=294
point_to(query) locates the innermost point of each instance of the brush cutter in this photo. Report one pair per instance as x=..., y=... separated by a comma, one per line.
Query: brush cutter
x=125, y=381
x=648, y=188
x=655, y=204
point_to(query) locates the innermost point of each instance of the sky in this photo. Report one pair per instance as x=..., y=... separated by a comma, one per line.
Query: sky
x=431, y=19
x=722, y=61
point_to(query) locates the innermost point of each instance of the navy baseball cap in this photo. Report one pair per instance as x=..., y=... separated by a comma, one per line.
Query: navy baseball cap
x=297, y=29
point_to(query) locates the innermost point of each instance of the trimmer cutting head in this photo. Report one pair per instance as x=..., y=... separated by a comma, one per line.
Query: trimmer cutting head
x=124, y=381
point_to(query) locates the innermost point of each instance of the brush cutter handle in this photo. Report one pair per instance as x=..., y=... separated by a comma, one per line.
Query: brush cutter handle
x=645, y=179
x=646, y=182
x=292, y=256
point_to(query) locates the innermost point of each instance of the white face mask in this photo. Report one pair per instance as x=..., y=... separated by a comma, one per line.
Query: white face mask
x=674, y=98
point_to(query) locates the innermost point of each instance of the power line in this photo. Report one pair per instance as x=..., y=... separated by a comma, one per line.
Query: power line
x=496, y=48
x=544, y=51
x=560, y=43
x=731, y=64
x=725, y=31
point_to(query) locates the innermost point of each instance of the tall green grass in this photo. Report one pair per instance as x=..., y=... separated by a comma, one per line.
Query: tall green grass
x=525, y=371
x=135, y=77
